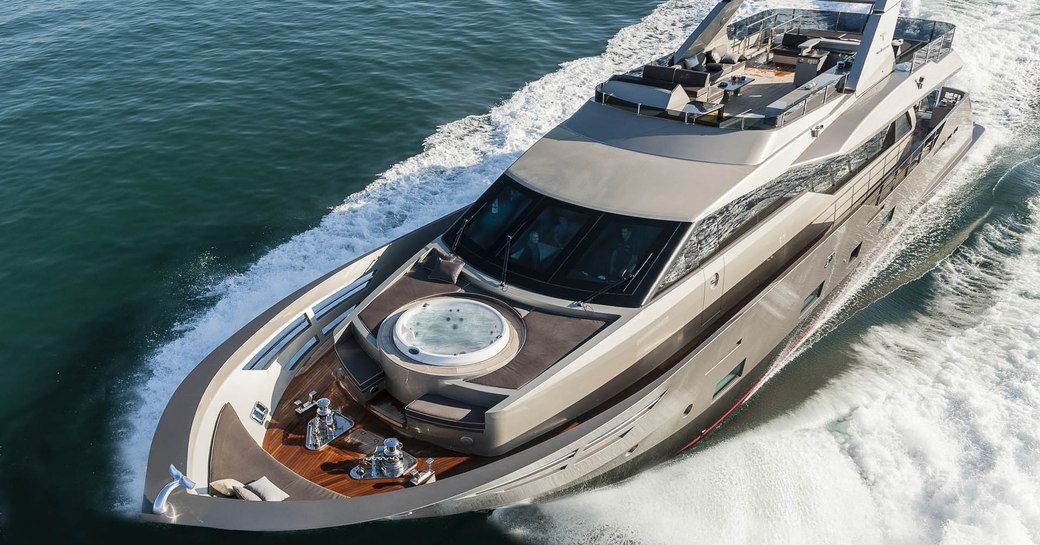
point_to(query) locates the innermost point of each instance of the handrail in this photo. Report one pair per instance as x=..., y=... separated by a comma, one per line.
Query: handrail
x=908, y=28
x=934, y=51
x=862, y=185
x=791, y=112
x=310, y=327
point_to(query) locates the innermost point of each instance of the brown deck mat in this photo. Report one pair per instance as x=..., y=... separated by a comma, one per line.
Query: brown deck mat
x=413, y=285
x=550, y=337
x=235, y=455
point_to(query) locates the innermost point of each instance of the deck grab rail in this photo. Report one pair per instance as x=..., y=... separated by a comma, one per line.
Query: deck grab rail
x=880, y=177
x=306, y=331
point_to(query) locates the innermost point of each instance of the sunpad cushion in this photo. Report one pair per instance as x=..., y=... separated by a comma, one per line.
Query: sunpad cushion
x=267, y=491
x=224, y=487
x=246, y=494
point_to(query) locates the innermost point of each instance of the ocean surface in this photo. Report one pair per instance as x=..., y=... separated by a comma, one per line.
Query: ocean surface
x=170, y=169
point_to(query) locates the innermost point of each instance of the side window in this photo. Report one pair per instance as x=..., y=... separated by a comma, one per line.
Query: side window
x=870, y=149
x=904, y=125
x=888, y=217
x=812, y=297
x=898, y=129
x=855, y=252
x=736, y=373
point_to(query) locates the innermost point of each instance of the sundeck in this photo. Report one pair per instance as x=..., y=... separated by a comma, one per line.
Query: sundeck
x=622, y=286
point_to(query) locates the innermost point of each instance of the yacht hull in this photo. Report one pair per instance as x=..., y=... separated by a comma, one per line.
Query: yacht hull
x=669, y=424
x=667, y=410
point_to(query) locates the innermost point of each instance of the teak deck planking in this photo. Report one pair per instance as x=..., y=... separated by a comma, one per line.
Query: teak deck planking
x=330, y=467
x=771, y=84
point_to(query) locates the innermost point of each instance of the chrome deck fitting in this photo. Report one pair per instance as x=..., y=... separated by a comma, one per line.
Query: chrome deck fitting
x=390, y=461
x=327, y=426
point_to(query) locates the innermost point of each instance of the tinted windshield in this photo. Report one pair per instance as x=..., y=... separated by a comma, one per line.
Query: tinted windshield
x=617, y=252
x=559, y=248
x=544, y=241
x=495, y=216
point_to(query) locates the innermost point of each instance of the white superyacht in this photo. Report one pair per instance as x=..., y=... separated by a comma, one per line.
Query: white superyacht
x=623, y=286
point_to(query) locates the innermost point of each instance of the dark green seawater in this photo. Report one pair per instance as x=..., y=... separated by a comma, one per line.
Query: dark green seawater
x=170, y=169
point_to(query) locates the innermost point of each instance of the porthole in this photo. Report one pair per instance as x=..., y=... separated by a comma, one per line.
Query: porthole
x=855, y=252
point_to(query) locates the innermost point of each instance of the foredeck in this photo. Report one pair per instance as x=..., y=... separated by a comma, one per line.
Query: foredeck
x=330, y=467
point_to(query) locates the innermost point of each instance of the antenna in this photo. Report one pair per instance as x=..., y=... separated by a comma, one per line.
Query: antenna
x=505, y=261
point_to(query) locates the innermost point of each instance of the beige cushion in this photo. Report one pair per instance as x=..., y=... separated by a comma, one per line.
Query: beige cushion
x=720, y=52
x=267, y=491
x=246, y=494
x=224, y=487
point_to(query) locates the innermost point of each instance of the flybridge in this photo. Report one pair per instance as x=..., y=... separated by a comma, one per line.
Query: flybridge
x=871, y=64
x=771, y=68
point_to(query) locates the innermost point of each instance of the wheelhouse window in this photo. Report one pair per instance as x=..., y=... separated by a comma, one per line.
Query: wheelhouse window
x=542, y=243
x=562, y=249
x=495, y=216
x=726, y=224
x=616, y=253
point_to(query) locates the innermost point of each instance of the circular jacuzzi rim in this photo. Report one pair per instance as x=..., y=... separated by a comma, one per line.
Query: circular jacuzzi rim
x=450, y=360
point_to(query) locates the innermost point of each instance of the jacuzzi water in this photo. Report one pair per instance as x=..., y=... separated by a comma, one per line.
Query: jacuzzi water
x=451, y=331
